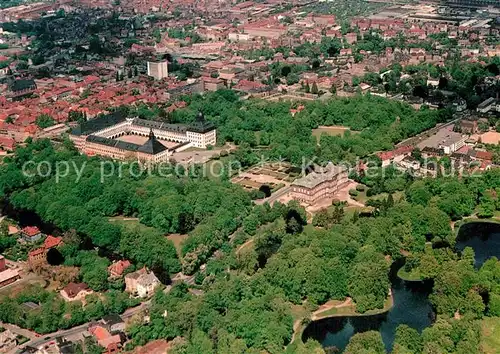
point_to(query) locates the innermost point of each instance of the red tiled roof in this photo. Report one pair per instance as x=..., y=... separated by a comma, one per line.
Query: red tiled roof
x=7, y=142
x=90, y=79
x=248, y=85
x=52, y=241
x=36, y=252
x=72, y=289
x=100, y=333
x=119, y=267
x=31, y=231
x=387, y=155
x=484, y=155
x=485, y=163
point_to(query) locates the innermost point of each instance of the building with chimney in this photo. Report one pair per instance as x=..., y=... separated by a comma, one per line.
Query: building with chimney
x=75, y=291
x=141, y=283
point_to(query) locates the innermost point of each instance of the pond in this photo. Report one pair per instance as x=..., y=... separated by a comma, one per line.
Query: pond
x=411, y=304
x=482, y=237
x=411, y=307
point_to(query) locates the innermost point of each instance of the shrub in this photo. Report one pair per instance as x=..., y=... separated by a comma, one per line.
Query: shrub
x=353, y=193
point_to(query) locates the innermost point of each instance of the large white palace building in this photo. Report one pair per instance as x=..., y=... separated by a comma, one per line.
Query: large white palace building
x=99, y=137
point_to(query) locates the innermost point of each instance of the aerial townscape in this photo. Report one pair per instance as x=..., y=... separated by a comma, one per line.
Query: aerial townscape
x=248, y=177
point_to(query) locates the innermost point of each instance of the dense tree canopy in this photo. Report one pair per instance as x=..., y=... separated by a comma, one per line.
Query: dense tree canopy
x=260, y=261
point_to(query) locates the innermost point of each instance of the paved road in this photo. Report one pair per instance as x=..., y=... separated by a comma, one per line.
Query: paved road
x=18, y=330
x=275, y=196
x=37, y=342
x=425, y=134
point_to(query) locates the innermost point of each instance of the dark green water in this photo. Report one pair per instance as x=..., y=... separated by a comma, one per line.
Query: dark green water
x=411, y=303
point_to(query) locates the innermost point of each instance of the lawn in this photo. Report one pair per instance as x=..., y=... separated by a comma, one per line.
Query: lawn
x=362, y=197
x=213, y=167
x=299, y=312
x=490, y=336
x=130, y=223
x=350, y=210
x=351, y=310
x=332, y=131
x=413, y=275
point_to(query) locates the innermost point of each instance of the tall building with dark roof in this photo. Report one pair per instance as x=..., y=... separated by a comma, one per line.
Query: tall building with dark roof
x=99, y=137
x=472, y=3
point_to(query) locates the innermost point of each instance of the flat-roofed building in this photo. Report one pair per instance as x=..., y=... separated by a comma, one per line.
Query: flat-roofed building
x=158, y=70
x=487, y=105
x=445, y=139
x=324, y=182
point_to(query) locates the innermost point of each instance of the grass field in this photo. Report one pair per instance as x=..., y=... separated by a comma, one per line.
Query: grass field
x=334, y=130
x=490, y=336
x=351, y=310
x=350, y=210
x=213, y=167
x=362, y=197
x=414, y=275
x=130, y=223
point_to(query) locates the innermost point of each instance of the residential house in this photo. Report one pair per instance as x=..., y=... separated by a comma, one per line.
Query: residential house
x=37, y=257
x=141, y=283
x=396, y=155
x=75, y=291
x=250, y=86
x=52, y=242
x=7, y=275
x=116, y=269
x=114, y=323
x=432, y=152
x=409, y=163
x=111, y=343
x=468, y=126
x=351, y=37
x=146, y=284
x=480, y=155
x=31, y=234
x=7, y=143
x=212, y=84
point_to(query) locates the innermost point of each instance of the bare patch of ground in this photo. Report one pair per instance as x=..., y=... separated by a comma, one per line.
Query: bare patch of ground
x=177, y=240
x=331, y=130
